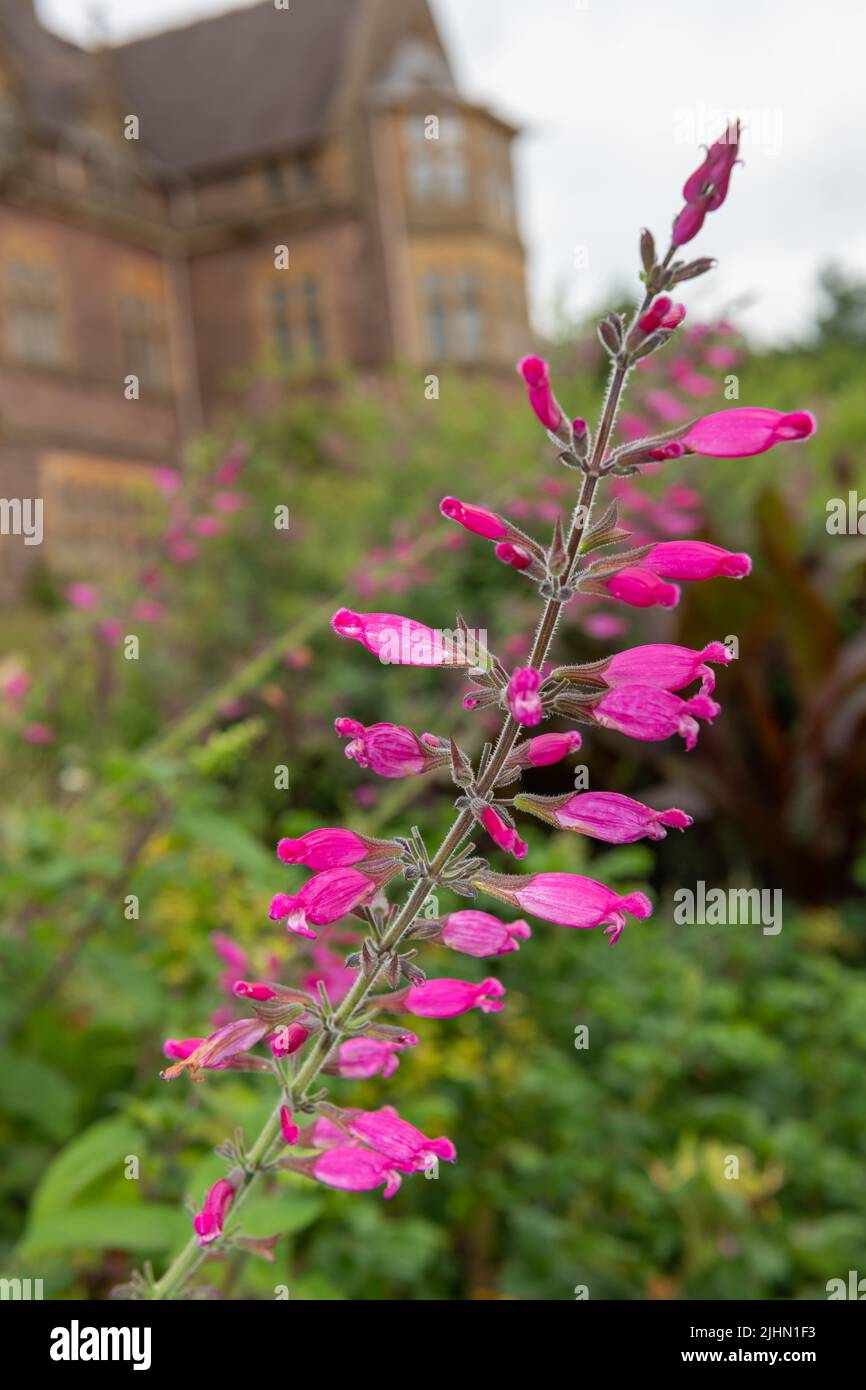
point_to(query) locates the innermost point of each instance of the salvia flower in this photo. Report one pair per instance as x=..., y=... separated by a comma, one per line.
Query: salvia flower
x=479, y=934
x=446, y=998
x=570, y=900
x=536, y=374
x=402, y=641
x=288, y=1038
x=352, y=1169
x=695, y=560
x=361, y=1058
x=390, y=750
x=225, y=1043
x=649, y=714
x=503, y=834
x=522, y=694
x=641, y=588
x=706, y=189
x=517, y=556
x=544, y=749
x=396, y=1139
x=288, y=1128
x=662, y=313
x=608, y=816
x=478, y=520
x=208, y=1223
x=325, y=898
x=746, y=430
x=333, y=849
x=662, y=664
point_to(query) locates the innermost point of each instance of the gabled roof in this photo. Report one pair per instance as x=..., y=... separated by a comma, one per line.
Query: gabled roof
x=237, y=85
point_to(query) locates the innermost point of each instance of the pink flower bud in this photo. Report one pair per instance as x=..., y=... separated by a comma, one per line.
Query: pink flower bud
x=607, y=816
x=288, y=1128
x=324, y=898
x=356, y=1170
x=514, y=555
x=332, y=849
x=522, y=694
x=545, y=749
x=502, y=834
x=289, y=1038
x=534, y=371
x=399, y=1141
x=710, y=179
x=82, y=596
x=695, y=560
x=403, y=641
x=648, y=714
x=361, y=1058
x=689, y=222
x=662, y=313
x=257, y=992
x=746, y=430
x=664, y=665
x=476, y=519
x=390, y=750
x=481, y=934
x=208, y=1223
x=567, y=899
x=640, y=588
x=447, y=998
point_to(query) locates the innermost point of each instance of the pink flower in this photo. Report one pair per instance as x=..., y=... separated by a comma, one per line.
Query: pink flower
x=662, y=313
x=390, y=750
x=325, y=898
x=208, y=526
x=567, y=899
x=229, y=502
x=535, y=373
x=447, y=998
x=288, y=1128
x=476, y=519
x=604, y=815
x=517, y=556
x=402, y=641
x=640, y=588
x=334, y=975
x=648, y=714
x=522, y=694
x=230, y=469
x=82, y=596
x=257, y=992
x=502, y=834
x=233, y=955
x=710, y=179
x=664, y=665
x=544, y=749
x=481, y=934
x=38, y=734
x=167, y=480
x=147, y=610
x=110, y=631
x=332, y=849
x=695, y=560
x=746, y=430
x=220, y=1047
x=399, y=1141
x=356, y=1170
x=289, y=1038
x=15, y=685
x=361, y=1058
x=208, y=1223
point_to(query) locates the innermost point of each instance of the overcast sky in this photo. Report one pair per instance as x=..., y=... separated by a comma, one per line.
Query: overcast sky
x=614, y=98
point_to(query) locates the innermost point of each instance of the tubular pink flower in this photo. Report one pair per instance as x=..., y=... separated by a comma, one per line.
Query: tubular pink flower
x=664, y=665
x=662, y=313
x=502, y=834
x=710, y=179
x=640, y=588
x=402, y=641
x=289, y=1038
x=38, y=734
x=208, y=1223
x=689, y=222
x=325, y=898
x=481, y=934
x=514, y=555
x=544, y=749
x=222, y=1045
x=478, y=520
x=356, y=1170
x=522, y=694
x=399, y=1141
x=390, y=750
x=648, y=714
x=83, y=596
x=361, y=1058
x=695, y=560
x=257, y=992
x=288, y=1128
x=446, y=998
x=608, y=816
x=571, y=900
x=535, y=373
x=745, y=431
x=332, y=849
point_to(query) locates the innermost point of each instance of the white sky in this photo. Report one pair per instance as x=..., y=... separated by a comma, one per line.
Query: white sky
x=615, y=95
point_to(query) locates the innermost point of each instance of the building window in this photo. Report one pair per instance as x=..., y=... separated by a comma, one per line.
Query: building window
x=34, y=327
x=145, y=349
x=297, y=325
x=499, y=182
x=453, y=315
x=436, y=158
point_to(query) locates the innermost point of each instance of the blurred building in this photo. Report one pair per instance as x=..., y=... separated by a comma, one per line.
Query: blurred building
x=294, y=181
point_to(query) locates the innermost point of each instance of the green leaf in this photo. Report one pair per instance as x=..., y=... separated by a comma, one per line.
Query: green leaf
x=101, y=1147
x=271, y=1216
x=144, y=1228
x=221, y=833
x=32, y=1090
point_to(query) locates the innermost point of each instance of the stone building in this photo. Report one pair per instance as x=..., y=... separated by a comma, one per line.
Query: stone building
x=296, y=180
